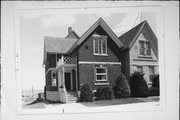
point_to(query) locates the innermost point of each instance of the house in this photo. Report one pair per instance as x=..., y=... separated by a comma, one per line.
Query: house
x=93, y=58
x=140, y=51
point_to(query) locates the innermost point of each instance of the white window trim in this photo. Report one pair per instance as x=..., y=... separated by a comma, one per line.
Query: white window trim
x=96, y=80
x=103, y=63
x=99, y=50
x=94, y=47
x=102, y=47
x=102, y=83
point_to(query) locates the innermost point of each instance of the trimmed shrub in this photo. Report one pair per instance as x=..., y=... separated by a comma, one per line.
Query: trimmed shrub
x=154, y=89
x=86, y=94
x=122, y=88
x=155, y=81
x=138, y=85
x=104, y=93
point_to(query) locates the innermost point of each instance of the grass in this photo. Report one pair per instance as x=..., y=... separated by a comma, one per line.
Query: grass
x=41, y=104
x=120, y=101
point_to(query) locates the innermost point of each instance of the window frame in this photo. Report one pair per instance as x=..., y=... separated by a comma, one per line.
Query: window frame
x=139, y=66
x=145, y=48
x=52, y=78
x=100, y=38
x=103, y=81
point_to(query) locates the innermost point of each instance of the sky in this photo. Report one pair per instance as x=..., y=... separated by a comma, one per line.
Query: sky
x=35, y=25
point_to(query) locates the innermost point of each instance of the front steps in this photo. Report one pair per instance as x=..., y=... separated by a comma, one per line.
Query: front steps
x=71, y=96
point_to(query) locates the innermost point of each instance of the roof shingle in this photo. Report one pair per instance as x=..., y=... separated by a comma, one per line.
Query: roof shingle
x=128, y=39
x=130, y=35
x=58, y=45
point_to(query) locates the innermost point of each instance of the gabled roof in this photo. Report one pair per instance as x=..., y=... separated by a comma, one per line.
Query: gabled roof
x=129, y=38
x=73, y=33
x=67, y=45
x=99, y=22
x=57, y=45
x=131, y=35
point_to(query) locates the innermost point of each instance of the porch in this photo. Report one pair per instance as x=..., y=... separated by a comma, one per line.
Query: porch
x=63, y=79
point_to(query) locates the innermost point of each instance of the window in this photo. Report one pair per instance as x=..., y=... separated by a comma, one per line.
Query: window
x=101, y=75
x=144, y=48
x=140, y=69
x=96, y=46
x=141, y=47
x=53, y=79
x=151, y=72
x=100, y=44
x=148, y=50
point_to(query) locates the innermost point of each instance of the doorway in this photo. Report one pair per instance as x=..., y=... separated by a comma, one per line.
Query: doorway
x=68, y=81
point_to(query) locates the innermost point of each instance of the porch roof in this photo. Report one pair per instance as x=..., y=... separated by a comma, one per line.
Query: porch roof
x=57, y=45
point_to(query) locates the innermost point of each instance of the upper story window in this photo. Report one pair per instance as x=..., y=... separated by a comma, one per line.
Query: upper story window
x=100, y=44
x=144, y=48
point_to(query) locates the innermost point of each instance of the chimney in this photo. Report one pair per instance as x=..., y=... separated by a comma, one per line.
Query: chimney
x=69, y=30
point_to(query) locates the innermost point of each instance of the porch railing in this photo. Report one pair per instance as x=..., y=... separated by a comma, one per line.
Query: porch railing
x=67, y=60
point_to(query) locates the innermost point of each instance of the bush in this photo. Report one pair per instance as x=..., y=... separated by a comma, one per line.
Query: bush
x=122, y=88
x=86, y=94
x=154, y=89
x=104, y=93
x=155, y=81
x=138, y=85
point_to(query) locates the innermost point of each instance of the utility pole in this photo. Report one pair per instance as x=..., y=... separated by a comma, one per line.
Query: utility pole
x=32, y=91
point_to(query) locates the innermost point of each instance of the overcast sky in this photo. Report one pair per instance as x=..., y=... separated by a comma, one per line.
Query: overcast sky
x=35, y=25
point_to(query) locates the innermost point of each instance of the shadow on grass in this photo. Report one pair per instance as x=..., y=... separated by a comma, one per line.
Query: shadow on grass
x=36, y=104
x=38, y=100
x=112, y=102
x=40, y=103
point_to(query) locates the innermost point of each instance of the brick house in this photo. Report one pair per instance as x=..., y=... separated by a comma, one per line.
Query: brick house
x=140, y=51
x=93, y=58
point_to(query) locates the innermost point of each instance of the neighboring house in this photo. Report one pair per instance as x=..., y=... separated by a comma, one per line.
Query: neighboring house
x=140, y=51
x=70, y=62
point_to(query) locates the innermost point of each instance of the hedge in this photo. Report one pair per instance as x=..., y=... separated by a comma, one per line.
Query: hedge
x=138, y=85
x=154, y=89
x=86, y=94
x=122, y=88
x=104, y=93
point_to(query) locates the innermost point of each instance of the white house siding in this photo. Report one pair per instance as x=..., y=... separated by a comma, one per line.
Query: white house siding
x=53, y=95
x=135, y=61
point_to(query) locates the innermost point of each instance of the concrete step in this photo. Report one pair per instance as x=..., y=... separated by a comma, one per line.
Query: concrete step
x=72, y=97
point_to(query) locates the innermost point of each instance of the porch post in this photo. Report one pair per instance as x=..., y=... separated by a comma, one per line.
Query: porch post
x=62, y=60
x=63, y=78
x=76, y=80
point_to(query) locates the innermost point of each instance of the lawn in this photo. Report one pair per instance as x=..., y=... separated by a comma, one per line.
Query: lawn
x=41, y=104
x=120, y=101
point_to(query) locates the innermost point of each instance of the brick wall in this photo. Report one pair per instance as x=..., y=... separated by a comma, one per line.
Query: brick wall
x=86, y=49
x=87, y=74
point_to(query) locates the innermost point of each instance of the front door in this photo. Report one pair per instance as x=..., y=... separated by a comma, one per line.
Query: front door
x=68, y=81
x=74, y=79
